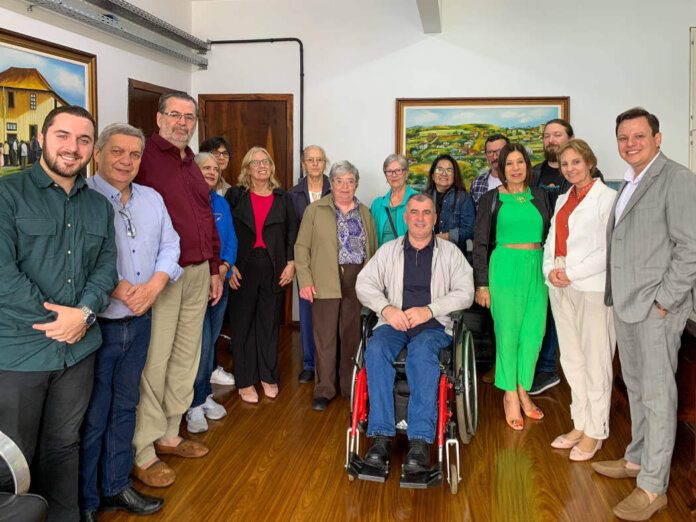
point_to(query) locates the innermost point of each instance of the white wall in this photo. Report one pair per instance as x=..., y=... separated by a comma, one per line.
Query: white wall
x=117, y=59
x=361, y=55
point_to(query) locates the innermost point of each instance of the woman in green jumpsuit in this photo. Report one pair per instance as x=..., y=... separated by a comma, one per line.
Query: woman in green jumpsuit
x=511, y=227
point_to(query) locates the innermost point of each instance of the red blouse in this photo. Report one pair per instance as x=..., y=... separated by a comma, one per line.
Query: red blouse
x=261, y=206
x=563, y=215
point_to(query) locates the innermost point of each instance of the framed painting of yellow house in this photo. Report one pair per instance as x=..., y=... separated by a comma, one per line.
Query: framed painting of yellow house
x=35, y=77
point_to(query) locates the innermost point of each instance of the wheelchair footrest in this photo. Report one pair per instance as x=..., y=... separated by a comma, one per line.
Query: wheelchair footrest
x=422, y=479
x=359, y=469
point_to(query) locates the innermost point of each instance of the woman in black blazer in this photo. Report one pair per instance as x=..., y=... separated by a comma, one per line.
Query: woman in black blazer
x=266, y=228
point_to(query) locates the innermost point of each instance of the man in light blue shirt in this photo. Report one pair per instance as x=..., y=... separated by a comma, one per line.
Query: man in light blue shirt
x=148, y=254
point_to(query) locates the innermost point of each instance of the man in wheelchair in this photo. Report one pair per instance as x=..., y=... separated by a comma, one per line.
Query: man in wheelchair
x=412, y=283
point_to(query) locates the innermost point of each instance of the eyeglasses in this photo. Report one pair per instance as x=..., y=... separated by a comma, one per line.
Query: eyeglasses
x=175, y=115
x=220, y=154
x=350, y=182
x=314, y=160
x=491, y=153
x=440, y=170
x=395, y=172
x=130, y=227
x=257, y=163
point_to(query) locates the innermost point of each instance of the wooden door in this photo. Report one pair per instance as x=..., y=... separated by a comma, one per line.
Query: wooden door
x=249, y=120
x=143, y=102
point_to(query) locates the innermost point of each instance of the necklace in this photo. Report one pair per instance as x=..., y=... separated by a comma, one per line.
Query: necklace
x=521, y=199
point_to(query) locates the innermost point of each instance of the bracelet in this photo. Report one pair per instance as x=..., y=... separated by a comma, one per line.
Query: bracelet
x=481, y=288
x=226, y=264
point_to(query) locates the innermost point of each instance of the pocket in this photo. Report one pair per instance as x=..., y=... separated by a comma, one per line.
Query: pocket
x=36, y=238
x=95, y=235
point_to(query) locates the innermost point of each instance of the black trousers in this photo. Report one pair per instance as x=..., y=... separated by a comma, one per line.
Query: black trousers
x=254, y=314
x=42, y=413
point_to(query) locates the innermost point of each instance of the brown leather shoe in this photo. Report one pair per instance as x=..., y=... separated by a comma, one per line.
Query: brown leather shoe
x=187, y=449
x=158, y=475
x=489, y=376
x=637, y=506
x=614, y=469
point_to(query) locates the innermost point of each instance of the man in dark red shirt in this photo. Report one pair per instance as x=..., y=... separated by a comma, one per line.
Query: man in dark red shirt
x=166, y=387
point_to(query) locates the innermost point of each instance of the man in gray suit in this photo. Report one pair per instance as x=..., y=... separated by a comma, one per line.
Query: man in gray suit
x=651, y=270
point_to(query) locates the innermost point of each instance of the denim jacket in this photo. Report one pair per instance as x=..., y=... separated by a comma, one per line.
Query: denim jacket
x=457, y=218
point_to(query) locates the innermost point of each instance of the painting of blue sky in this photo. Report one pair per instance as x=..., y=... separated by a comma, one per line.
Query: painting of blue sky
x=69, y=79
x=501, y=116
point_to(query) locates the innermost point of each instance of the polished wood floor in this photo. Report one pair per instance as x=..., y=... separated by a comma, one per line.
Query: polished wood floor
x=282, y=461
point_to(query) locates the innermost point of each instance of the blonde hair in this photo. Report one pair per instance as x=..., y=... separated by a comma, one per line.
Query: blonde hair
x=582, y=148
x=244, y=179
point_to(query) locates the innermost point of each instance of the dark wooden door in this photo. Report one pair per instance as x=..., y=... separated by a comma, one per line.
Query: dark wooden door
x=143, y=101
x=250, y=120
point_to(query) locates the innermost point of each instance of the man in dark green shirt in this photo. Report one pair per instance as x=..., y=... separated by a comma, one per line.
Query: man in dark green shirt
x=58, y=258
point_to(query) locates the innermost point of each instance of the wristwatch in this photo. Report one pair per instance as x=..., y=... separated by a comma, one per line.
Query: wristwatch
x=90, y=316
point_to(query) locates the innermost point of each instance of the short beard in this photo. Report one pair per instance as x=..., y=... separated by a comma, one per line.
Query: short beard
x=52, y=163
x=550, y=155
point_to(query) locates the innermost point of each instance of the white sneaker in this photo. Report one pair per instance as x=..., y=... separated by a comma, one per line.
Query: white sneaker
x=195, y=420
x=220, y=376
x=212, y=409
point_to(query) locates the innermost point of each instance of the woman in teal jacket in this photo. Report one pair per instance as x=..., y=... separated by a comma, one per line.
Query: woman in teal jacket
x=388, y=211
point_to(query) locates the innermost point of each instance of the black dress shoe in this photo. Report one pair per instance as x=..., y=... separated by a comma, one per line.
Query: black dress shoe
x=379, y=454
x=418, y=457
x=133, y=502
x=320, y=404
x=88, y=516
x=306, y=376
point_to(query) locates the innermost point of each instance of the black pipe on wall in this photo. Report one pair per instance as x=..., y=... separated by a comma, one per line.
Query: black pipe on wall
x=274, y=40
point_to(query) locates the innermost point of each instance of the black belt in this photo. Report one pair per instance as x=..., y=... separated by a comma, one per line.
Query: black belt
x=121, y=320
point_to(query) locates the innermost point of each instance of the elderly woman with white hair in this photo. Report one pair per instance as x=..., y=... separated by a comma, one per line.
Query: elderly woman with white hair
x=336, y=238
x=388, y=211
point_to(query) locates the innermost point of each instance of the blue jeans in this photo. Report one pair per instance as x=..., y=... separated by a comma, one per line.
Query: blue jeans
x=212, y=324
x=547, y=355
x=422, y=373
x=306, y=334
x=107, y=431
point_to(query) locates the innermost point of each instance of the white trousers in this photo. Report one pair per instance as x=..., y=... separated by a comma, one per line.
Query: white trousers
x=587, y=341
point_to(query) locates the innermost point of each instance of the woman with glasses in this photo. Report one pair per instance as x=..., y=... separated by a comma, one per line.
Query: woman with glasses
x=511, y=225
x=388, y=211
x=337, y=237
x=455, y=209
x=203, y=404
x=220, y=148
x=313, y=186
x=266, y=228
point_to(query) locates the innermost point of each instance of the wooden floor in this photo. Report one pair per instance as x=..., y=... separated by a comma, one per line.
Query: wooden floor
x=280, y=460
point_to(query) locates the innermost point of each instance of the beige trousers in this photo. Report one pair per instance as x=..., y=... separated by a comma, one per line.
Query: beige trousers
x=587, y=342
x=166, y=388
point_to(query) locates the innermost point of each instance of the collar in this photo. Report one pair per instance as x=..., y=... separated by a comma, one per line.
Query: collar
x=165, y=146
x=409, y=246
x=630, y=173
x=43, y=180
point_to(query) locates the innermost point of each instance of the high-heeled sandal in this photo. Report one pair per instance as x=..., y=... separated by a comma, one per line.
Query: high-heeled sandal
x=270, y=390
x=249, y=395
x=534, y=413
x=515, y=424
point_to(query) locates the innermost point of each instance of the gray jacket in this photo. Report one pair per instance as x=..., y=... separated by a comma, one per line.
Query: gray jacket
x=381, y=282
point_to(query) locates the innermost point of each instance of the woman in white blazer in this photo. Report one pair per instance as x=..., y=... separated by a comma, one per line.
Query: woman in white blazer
x=575, y=259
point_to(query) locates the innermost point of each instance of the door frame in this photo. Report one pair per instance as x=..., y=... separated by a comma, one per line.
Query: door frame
x=287, y=98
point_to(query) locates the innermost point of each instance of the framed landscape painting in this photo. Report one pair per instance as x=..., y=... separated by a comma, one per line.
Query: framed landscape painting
x=35, y=77
x=427, y=127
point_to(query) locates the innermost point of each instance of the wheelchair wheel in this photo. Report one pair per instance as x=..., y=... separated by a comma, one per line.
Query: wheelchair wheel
x=453, y=475
x=466, y=398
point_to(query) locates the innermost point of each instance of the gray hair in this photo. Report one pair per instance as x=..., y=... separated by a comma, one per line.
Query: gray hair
x=323, y=152
x=120, y=128
x=395, y=157
x=421, y=197
x=344, y=167
x=202, y=157
x=176, y=94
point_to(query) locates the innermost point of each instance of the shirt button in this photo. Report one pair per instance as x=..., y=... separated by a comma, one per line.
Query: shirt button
x=134, y=251
x=138, y=273
x=69, y=252
x=69, y=280
x=69, y=225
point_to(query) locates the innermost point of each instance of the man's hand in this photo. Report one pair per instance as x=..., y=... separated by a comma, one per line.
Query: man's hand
x=483, y=297
x=215, y=289
x=223, y=271
x=418, y=315
x=235, y=278
x=287, y=274
x=69, y=327
x=139, y=298
x=396, y=318
x=558, y=277
x=307, y=293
